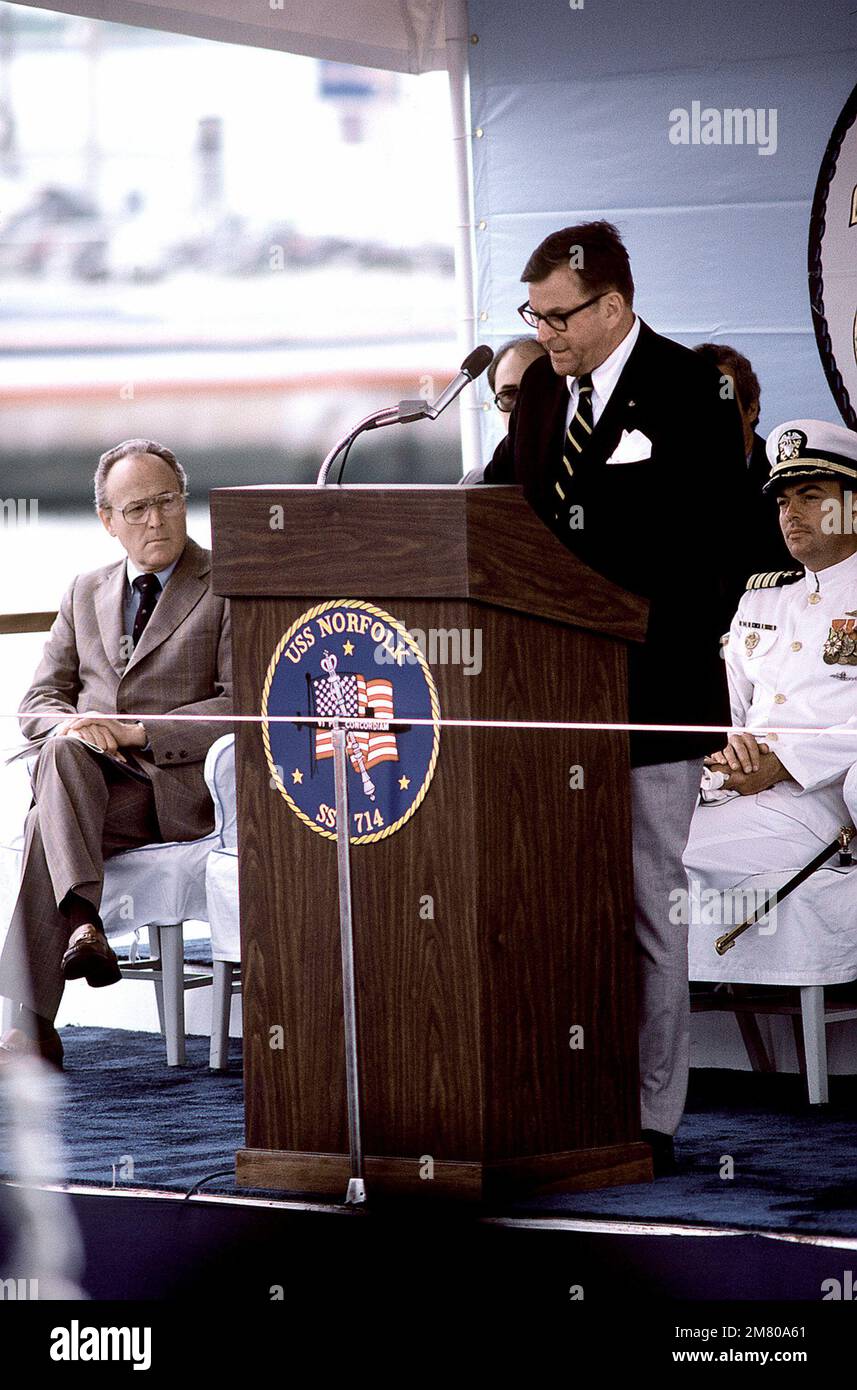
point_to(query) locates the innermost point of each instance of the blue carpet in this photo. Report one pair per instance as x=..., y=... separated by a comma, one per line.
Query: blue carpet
x=794, y=1167
x=120, y=1098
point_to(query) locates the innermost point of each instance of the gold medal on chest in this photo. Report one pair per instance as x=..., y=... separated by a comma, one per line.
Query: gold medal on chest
x=751, y=642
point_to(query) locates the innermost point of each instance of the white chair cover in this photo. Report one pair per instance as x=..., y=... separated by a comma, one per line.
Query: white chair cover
x=221, y=874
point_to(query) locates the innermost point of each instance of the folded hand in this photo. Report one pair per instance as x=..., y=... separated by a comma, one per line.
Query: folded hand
x=104, y=732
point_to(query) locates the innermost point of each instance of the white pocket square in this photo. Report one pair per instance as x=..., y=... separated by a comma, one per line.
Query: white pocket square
x=633, y=447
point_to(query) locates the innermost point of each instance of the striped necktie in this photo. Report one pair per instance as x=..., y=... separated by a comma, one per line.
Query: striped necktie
x=577, y=435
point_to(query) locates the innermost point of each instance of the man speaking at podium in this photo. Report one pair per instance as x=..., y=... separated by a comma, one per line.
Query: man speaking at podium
x=627, y=449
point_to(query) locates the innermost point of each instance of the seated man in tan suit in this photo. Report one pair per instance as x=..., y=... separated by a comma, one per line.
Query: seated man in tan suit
x=143, y=636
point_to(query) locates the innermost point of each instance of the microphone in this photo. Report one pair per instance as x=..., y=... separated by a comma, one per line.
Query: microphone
x=406, y=412
x=472, y=367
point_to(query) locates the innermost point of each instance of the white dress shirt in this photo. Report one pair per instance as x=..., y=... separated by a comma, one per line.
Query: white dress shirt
x=604, y=378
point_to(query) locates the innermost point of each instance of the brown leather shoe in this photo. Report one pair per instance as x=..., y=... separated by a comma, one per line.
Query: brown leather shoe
x=90, y=958
x=16, y=1044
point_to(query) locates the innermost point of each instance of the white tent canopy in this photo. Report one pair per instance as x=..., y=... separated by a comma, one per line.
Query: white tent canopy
x=402, y=35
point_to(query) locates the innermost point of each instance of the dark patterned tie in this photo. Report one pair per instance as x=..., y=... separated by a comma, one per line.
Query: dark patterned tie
x=148, y=586
x=577, y=435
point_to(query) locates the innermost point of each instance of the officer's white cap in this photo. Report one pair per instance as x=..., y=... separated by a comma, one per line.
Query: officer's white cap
x=811, y=449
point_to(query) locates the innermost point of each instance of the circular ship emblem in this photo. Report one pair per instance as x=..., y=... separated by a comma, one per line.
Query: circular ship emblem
x=349, y=658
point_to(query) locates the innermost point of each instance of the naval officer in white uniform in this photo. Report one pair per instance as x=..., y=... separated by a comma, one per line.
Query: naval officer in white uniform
x=791, y=660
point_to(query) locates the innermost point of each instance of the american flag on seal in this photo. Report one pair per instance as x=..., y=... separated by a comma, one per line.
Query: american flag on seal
x=377, y=746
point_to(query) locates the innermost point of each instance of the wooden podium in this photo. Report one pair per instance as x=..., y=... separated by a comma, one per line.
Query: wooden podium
x=498, y=1028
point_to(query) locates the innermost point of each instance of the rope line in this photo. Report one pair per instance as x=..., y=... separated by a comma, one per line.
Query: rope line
x=567, y=725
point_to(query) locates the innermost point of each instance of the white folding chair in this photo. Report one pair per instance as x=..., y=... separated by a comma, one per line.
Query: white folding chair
x=810, y=1016
x=828, y=924
x=155, y=888
x=221, y=887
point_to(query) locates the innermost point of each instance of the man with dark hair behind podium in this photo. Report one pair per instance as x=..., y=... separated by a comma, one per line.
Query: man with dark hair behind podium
x=628, y=451
x=143, y=636
x=760, y=532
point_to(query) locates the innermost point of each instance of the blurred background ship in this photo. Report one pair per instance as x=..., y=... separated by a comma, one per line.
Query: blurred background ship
x=240, y=254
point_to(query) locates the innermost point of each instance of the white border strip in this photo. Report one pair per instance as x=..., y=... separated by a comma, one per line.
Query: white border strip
x=580, y=1225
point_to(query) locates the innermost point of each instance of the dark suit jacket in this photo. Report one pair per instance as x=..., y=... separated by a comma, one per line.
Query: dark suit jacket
x=650, y=526
x=181, y=665
x=766, y=549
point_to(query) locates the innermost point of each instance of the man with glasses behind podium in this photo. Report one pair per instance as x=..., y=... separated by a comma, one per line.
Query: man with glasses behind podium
x=510, y=362
x=504, y=374
x=143, y=636
x=627, y=450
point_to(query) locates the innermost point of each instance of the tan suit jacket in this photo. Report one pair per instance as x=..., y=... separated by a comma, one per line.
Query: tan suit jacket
x=181, y=665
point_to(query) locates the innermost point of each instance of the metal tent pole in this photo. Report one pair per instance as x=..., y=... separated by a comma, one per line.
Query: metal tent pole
x=457, y=36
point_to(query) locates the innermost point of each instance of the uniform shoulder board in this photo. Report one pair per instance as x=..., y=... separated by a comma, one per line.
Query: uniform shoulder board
x=774, y=579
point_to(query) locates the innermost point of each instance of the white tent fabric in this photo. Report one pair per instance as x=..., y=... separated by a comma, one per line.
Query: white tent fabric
x=575, y=112
x=401, y=35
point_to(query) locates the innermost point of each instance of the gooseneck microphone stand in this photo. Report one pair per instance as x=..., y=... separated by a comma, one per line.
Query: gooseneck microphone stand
x=406, y=412
x=402, y=414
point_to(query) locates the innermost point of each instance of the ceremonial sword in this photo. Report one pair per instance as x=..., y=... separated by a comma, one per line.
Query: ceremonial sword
x=841, y=843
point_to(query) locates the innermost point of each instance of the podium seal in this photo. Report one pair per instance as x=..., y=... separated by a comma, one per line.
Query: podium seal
x=350, y=658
